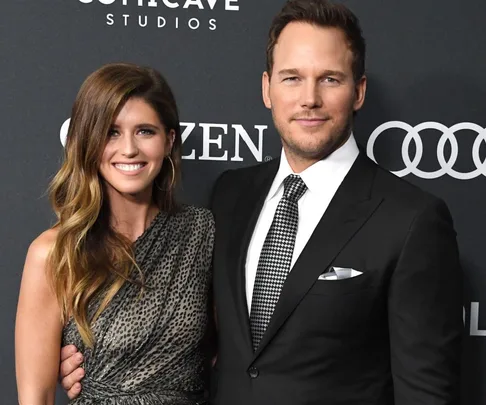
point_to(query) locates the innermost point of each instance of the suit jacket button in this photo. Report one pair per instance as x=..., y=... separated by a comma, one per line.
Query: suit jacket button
x=253, y=372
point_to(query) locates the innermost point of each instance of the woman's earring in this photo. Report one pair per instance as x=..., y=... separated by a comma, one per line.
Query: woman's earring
x=172, y=182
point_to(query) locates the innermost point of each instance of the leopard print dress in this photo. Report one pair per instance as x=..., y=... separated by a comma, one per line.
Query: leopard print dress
x=148, y=346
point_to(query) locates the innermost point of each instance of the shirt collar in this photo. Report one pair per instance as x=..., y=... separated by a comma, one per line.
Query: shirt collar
x=332, y=169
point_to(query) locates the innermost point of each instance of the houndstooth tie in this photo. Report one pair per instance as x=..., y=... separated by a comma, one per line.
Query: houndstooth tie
x=275, y=258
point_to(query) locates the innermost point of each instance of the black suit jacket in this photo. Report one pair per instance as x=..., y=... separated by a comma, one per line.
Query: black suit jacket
x=389, y=336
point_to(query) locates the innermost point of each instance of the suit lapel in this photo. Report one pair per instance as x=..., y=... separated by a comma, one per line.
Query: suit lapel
x=247, y=211
x=348, y=211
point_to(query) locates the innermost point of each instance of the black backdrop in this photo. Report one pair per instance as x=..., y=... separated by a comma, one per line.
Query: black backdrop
x=427, y=89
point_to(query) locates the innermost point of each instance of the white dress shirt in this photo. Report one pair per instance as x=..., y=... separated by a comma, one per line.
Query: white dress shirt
x=322, y=179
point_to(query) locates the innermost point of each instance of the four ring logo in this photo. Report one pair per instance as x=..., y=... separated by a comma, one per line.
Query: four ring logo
x=448, y=136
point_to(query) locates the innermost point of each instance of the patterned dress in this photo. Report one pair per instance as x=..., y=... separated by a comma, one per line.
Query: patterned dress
x=148, y=347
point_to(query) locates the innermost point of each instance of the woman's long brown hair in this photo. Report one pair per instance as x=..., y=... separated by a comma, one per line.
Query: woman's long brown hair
x=89, y=258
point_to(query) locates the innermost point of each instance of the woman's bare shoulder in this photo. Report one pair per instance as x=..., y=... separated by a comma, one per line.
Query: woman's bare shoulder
x=41, y=246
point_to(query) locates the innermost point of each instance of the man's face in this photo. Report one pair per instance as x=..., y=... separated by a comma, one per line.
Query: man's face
x=312, y=92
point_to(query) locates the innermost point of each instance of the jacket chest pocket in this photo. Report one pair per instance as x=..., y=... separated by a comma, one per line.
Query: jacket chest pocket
x=352, y=285
x=343, y=306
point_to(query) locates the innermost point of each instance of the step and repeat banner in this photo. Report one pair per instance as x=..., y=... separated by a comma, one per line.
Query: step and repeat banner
x=424, y=118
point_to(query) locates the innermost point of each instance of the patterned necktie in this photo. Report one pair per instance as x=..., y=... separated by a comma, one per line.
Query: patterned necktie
x=275, y=258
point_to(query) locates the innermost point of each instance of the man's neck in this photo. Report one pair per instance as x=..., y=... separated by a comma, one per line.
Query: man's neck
x=298, y=162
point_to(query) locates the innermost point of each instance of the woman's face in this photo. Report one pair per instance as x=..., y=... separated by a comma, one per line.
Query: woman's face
x=135, y=150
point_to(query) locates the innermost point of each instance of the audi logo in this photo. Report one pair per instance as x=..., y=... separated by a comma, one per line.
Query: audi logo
x=448, y=136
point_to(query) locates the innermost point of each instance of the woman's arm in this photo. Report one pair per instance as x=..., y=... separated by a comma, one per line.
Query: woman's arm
x=38, y=328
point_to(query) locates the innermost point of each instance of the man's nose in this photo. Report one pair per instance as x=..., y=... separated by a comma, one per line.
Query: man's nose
x=311, y=95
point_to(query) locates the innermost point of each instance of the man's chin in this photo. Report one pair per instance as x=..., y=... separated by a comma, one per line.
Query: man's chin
x=314, y=152
x=305, y=155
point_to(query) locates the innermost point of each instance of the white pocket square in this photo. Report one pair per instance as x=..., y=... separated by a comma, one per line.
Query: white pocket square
x=339, y=273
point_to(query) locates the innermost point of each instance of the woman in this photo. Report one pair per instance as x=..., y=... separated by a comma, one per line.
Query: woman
x=124, y=273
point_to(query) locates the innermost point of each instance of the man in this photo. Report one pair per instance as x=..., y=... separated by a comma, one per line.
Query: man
x=335, y=282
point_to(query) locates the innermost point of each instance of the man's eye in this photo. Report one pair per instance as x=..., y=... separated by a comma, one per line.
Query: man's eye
x=291, y=79
x=331, y=80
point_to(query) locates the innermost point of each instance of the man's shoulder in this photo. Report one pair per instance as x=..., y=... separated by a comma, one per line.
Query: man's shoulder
x=237, y=178
x=244, y=172
x=401, y=191
x=233, y=183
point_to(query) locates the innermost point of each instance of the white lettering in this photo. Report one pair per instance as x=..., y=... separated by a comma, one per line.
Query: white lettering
x=126, y=16
x=142, y=24
x=212, y=145
x=212, y=24
x=212, y=3
x=193, y=26
x=161, y=22
x=474, y=321
x=170, y=4
x=197, y=3
x=240, y=132
x=230, y=7
x=64, y=131
x=109, y=19
x=185, y=134
x=208, y=141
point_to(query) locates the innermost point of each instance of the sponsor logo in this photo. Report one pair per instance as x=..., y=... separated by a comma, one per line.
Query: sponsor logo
x=165, y=13
x=448, y=136
x=474, y=327
x=216, y=142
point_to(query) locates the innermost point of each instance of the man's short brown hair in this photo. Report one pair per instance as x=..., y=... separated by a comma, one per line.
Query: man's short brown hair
x=322, y=13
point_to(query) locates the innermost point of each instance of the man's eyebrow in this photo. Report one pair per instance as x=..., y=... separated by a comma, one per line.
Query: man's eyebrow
x=333, y=73
x=329, y=72
x=284, y=72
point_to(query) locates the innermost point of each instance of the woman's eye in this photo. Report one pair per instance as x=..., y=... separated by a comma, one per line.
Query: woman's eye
x=146, y=131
